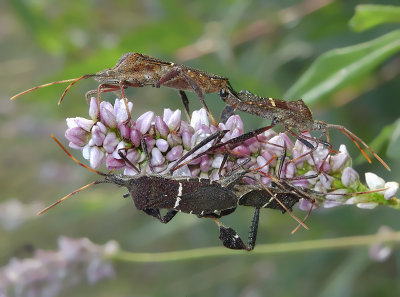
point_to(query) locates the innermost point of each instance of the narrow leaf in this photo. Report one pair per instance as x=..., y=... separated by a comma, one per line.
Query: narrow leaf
x=369, y=16
x=338, y=68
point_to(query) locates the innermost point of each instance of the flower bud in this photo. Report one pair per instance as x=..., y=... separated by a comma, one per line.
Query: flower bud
x=143, y=123
x=96, y=157
x=161, y=127
x=107, y=114
x=175, y=153
x=349, y=177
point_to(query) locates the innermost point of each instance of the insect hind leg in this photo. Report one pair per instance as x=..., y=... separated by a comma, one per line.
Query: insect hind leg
x=178, y=71
x=155, y=212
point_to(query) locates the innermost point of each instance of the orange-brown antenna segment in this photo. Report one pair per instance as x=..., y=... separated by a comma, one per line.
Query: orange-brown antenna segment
x=285, y=208
x=65, y=197
x=42, y=86
x=357, y=139
x=74, y=81
x=73, y=158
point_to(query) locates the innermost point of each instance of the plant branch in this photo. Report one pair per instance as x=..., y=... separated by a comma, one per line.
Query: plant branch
x=262, y=249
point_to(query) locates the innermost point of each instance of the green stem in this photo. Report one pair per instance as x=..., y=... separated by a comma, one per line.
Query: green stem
x=264, y=249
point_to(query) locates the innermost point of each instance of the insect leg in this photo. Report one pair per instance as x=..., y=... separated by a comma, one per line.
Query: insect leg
x=185, y=102
x=126, y=159
x=226, y=113
x=217, y=135
x=176, y=71
x=146, y=152
x=155, y=212
x=229, y=237
x=253, y=230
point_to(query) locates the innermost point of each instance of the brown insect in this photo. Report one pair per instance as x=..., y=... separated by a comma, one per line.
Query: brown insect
x=292, y=115
x=198, y=196
x=138, y=70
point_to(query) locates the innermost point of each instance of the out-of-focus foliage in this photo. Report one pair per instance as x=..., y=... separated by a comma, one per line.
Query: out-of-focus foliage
x=263, y=46
x=339, y=68
x=370, y=16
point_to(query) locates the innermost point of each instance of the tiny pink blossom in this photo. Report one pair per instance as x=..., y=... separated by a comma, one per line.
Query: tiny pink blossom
x=217, y=161
x=199, y=118
x=107, y=114
x=205, y=164
x=186, y=139
x=124, y=130
x=253, y=144
x=276, y=144
x=150, y=142
x=135, y=137
x=77, y=136
x=161, y=127
x=175, y=153
x=174, y=120
x=143, y=123
x=133, y=156
x=93, y=108
x=97, y=135
x=235, y=122
x=83, y=123
x=290, y=170
x=75, y=146
x=242, y=150
x=367, y=205
x=162, y=145
x=337, y=161
x=392, y=189
x=261, y=162
x=349, y=177
x=326, y=180
x=167, y=114
x=110, y=142
x=174, y=139
x=96, y=157
x=157, y=157
x=374, y=182
x=113, y=163
x=120, y=112
x=121, y=145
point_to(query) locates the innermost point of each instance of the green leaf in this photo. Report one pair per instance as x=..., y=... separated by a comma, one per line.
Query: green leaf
x=393, y=150
x=386, y=135
x=338, y=68
x=369, y=16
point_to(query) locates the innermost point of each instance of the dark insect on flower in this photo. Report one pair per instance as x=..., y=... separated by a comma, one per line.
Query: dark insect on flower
x=293, y=115
x=138, y=70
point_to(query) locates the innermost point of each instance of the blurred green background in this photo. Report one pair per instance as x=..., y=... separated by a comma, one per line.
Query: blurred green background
x=262, y=46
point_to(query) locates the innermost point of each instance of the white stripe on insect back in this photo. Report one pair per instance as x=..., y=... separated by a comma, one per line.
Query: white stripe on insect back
x=180, y=190
x=269, y=201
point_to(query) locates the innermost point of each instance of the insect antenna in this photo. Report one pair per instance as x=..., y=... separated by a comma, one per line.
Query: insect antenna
x=76, y=160
x=74, y=81
x=339, y=194
x=357, y=140
x=42, y=86
x=301, y=223
x=78, y=190
x=67, y=196
x=274, y=196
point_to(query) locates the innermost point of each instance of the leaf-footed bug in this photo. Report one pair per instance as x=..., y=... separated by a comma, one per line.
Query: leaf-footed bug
x=293, y=115
x=138, y=70
x=150, y=193
x=202, y=197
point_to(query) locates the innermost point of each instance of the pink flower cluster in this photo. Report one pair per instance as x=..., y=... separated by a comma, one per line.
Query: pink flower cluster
x=50, y=272
x=168, y=138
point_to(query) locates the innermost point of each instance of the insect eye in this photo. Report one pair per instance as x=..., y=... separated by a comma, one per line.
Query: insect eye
x=223, y=93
